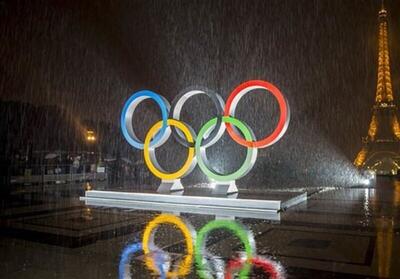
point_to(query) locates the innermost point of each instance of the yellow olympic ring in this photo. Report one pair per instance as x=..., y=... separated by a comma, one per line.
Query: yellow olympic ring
x=184, y=268
x=186, y=166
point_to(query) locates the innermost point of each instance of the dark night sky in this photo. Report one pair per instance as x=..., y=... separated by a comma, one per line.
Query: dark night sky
x=89, y=56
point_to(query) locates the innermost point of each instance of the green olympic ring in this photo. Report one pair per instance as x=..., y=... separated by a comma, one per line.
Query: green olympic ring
x=238, y=230
x=201, y=156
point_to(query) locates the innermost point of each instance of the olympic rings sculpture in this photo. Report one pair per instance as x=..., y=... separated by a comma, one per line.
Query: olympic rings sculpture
x=208, y=135
x=157, y=261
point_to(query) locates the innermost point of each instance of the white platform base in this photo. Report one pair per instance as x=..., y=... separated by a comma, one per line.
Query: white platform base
x=221, y=207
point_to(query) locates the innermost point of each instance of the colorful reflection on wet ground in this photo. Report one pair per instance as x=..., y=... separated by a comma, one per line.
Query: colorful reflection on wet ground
x=338, y=233
x=207, y=264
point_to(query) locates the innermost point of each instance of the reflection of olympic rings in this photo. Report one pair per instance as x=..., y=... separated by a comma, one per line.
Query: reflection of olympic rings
x=159, y=261
x=149, y=246
x=245, y=236
x=126, y=256
x=269, y=267
x=208, y=135
x=124, y=271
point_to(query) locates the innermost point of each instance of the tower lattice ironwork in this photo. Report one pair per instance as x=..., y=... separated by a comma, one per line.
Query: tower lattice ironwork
x=381, y=147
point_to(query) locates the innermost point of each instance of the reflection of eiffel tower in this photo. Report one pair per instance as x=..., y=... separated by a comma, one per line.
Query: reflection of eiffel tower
x=381, y=147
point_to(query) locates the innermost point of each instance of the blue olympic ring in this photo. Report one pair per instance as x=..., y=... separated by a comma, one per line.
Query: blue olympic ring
x=130, y=106
x=126, y=257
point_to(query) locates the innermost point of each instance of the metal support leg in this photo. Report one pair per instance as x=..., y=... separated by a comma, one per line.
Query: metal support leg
x=224, y=188
x=168, y=186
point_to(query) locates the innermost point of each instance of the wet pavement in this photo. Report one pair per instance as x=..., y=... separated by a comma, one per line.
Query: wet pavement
x=337, y=233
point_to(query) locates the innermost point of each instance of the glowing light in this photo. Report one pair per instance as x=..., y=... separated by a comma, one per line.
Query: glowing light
x=360, y=159
x=90, y=136
x=384, y=91
x=373, y=127
x=366, y=182
x=396, y=127
x=370, y=174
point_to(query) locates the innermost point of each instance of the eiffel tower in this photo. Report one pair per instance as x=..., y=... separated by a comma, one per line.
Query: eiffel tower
x=381, y=147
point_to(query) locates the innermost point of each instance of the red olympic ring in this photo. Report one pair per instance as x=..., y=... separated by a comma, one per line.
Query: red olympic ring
x=280, y=129
x=269, y=267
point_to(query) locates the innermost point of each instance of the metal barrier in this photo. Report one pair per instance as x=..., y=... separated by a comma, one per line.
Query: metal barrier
x=43, y=177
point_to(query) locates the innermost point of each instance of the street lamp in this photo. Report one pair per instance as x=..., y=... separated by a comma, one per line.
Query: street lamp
x=90, y=136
